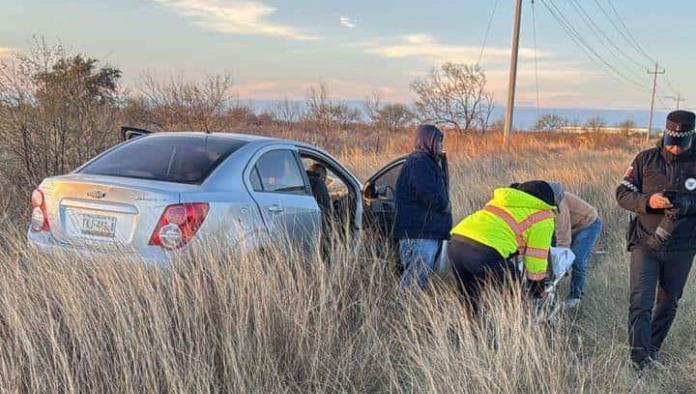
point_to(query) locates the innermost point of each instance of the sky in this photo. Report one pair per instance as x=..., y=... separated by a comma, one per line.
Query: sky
x=274, y=48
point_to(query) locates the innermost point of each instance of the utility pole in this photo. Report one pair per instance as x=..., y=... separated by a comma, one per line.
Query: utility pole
x=678, y=99
x=513, y=72
x=652, y=100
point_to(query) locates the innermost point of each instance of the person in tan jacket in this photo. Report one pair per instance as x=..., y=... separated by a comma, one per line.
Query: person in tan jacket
x=578, y=226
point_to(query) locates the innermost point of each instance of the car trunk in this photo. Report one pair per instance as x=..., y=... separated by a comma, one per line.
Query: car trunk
x=110, y=211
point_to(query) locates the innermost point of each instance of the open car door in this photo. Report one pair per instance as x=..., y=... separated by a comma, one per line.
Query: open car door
x=379, y=197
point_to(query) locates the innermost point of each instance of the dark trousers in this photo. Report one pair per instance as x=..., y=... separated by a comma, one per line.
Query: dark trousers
x=657, y=282
x=476, y=265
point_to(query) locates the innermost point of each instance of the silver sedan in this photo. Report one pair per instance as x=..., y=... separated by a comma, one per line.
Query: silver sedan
x=162, y=195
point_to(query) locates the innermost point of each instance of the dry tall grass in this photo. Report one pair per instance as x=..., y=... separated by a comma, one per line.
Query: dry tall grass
x=278, y=323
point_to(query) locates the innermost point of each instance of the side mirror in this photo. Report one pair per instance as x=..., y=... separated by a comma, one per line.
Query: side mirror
x=385, y=192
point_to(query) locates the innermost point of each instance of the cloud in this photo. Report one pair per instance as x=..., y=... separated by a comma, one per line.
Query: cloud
x=339, y=89
x=347, y=22
x=234, y=17
x=425, y=46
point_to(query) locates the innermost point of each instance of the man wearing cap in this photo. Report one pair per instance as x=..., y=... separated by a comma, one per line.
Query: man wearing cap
x=657, y=188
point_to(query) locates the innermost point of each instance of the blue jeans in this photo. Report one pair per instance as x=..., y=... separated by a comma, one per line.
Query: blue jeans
x=582, y=244
x=418, y=258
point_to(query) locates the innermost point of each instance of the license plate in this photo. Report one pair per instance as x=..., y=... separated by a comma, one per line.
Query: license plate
x=98, y=225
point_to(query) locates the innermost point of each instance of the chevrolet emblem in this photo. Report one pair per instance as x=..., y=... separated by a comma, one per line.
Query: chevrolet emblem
x=97, y=194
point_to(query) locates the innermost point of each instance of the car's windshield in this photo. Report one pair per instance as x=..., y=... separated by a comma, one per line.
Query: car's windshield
x=166, y=157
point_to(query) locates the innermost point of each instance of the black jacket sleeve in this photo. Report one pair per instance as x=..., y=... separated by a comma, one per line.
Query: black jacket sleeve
x=321, y=194
x=429, y=185
x=630, y=194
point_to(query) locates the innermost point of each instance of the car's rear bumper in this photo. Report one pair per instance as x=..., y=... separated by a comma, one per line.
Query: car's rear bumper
x=45, y=243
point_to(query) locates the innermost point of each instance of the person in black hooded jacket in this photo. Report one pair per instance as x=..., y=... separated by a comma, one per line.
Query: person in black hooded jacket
x=423, y=214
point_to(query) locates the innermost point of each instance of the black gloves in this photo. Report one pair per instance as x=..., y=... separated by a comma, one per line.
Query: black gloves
x=655, y=242
x=664, y=230
x=684, y=204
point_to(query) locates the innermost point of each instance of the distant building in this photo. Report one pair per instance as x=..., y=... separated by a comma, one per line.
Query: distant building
x=605, y=129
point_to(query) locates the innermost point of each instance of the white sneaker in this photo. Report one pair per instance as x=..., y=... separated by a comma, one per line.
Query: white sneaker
x=571, y=303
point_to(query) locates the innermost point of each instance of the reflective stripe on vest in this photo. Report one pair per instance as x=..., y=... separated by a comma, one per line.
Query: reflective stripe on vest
x=520, y=227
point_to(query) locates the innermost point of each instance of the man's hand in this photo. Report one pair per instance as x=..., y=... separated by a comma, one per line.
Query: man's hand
x=659, y=201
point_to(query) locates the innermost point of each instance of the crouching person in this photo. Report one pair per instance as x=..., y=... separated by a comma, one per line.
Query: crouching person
x=519, y=220
x=578, y=226
x=423, y=215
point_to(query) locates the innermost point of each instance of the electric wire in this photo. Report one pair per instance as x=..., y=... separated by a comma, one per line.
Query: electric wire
x=590, y=52
x=632, y=40
x=603, y=37
x=488, y=31
x=536, y=60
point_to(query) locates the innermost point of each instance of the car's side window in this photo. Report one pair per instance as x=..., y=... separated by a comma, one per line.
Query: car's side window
x=279, y=172
x=385, y=185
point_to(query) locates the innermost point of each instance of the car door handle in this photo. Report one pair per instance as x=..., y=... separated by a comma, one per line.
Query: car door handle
x=276, y=208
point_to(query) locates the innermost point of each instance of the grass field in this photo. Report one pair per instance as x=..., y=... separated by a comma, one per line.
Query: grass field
x=277, y=324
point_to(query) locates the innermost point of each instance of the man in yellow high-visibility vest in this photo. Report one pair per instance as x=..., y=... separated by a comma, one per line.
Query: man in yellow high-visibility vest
x=519, y=220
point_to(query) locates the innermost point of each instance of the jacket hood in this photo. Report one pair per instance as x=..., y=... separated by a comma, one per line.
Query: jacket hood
x=558, y=192
x=509, y=197
x=425, y=138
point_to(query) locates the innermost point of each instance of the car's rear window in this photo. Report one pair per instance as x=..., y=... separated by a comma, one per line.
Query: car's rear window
x=172, y=158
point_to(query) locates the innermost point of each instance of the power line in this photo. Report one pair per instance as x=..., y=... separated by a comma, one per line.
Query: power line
x=632, y=38
x=536, y=61
x=622, y=31
x=670, y=85
x=488, y=31
x=591, y=53
x=603, y=37
x=678, y=99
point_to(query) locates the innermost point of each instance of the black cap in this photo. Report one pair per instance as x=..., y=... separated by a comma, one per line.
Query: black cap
x=538, y=189
x=680, y=128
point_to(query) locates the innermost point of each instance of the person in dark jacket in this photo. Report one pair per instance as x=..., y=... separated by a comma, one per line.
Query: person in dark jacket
x=317, y=182
x=423, y=214
x=658, y=187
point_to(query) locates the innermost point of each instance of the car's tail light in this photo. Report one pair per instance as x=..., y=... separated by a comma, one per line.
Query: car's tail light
x=39, y=216
x=178, y=224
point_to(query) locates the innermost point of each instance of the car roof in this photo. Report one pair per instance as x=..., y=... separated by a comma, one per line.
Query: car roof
x=248, y=138
x=234, y=136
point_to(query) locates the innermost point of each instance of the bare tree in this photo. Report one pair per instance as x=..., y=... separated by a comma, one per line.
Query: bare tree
x=325, y=114
x=240, y=114
x=454, y=94
x=342, y=116
x=395, y=116
x=550, y=122
x=373, y=104
x=595, y=124
x=56, y=111
x=319, y=107
x=178, y=104
x=627, y=126
x=288, y=112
